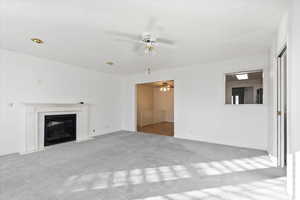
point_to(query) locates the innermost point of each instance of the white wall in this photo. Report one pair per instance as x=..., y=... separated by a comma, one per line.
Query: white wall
x=3, y=139
x=199, y=112
x=25, y=78
x=293, y=100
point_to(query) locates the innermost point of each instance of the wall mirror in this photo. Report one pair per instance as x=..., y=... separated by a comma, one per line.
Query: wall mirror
x=244, y=87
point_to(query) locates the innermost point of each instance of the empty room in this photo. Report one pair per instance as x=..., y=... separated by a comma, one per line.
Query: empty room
x=149, y=100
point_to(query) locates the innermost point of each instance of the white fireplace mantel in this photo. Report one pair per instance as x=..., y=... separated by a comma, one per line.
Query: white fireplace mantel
x=35, y=120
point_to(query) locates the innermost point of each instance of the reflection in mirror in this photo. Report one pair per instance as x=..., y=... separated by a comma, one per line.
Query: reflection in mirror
x=244, y=87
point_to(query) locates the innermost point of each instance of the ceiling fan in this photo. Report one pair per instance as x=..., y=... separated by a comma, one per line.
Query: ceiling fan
x=147, y=40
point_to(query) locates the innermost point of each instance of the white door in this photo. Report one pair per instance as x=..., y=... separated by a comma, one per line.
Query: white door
x=282, y=109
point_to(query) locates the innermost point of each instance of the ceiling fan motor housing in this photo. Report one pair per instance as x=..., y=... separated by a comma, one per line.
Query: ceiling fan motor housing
x=148, y=38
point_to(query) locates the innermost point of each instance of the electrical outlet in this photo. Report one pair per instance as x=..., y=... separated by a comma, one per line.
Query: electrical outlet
x=94, y=130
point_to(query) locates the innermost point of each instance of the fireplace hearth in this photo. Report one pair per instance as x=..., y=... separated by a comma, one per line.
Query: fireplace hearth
x=59, y=129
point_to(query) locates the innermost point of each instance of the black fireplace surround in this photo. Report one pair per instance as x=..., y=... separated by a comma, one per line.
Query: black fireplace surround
x=59, y=129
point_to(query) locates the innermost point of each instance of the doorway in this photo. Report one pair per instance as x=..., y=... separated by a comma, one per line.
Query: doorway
x=282, y=108
x=155, y=108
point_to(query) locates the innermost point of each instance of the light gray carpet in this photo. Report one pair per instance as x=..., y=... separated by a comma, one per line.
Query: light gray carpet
x=132, y=166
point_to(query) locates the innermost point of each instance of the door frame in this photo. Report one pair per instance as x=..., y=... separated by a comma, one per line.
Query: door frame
x=135, y=115
x=281, y=108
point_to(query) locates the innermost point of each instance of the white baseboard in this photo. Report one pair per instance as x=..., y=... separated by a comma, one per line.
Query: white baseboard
x=32, y=151
x=85, y=139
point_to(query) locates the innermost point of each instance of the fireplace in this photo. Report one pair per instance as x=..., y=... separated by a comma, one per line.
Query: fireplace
x=59, y=129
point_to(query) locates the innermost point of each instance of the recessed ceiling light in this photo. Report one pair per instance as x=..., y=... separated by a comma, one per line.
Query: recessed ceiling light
x=242, y=76
x=37, y=40
x=110, y=63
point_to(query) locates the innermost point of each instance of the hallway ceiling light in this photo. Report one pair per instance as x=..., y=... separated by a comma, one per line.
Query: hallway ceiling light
x=165, y=87
x=242, y=76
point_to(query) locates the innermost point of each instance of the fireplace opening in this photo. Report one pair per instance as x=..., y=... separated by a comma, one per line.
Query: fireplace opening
x=59, y=129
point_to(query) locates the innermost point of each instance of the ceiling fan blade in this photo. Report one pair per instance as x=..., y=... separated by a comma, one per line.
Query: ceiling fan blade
x=125, y=35
x=127, y=40
x=165, y=41
x=137, y=44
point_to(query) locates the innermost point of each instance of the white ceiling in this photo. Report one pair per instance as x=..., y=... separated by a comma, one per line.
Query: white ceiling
x=76, y=31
